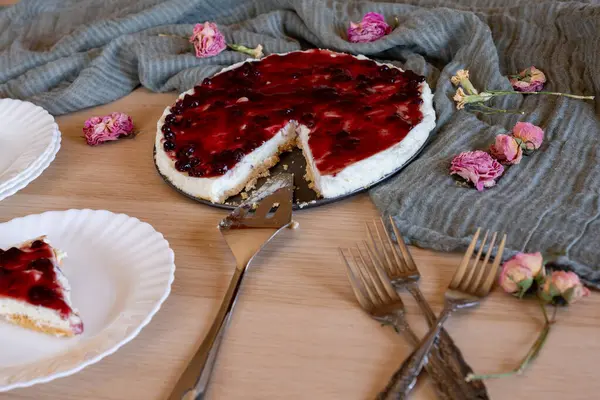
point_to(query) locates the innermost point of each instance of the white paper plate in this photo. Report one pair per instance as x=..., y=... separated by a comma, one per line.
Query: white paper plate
x=120, y=271
x=26, y=132
x=34, y=170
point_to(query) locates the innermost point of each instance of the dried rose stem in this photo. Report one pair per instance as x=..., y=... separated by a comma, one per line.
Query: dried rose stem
x=492, y=110
x=256, y=53
x=530, y=356
x=573, y=96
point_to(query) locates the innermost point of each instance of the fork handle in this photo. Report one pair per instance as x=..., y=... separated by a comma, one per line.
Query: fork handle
x=193, y=382
x=449, y=353
x=405, y=378
x=446, y=385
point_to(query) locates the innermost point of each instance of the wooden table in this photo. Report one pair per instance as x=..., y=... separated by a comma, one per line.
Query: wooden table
x=297, y=331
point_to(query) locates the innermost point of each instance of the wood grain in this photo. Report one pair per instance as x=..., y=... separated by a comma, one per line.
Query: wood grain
x=297, y=331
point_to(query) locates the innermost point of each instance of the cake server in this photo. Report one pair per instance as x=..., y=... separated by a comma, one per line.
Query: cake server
x=246, y=230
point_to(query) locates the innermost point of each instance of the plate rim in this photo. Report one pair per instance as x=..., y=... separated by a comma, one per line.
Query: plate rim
x=30, y=166
x=32, y=174
x=80, y=365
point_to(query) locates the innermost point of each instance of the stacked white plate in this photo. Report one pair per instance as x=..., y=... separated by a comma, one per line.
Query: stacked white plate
x=29, y=141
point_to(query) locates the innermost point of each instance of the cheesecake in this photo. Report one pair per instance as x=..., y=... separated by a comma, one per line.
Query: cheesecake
x=356, y=121
x=34, y=293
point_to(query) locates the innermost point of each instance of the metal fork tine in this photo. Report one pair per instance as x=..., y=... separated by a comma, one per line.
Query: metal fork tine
x=475, y=264
x=365, y=279
x=399, y=264
x=480, y=271
x=374, y=279
x=379, y=253
x=486, y=286
x=409, y=262
x=357, y=287
x=460, y=271
x=381, y=278
x=388, y=262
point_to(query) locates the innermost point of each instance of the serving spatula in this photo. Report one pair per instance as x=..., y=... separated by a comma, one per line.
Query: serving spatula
x=246, y=230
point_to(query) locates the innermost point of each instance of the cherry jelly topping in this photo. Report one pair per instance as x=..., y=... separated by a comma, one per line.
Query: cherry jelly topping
x=353, y=108
x=28, y=275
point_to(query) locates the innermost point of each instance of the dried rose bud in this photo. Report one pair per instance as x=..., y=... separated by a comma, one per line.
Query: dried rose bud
x=519, y=273
x=506, y=150
x=208, y=40
x=114, y=126
x=529, y=80
x=562, y=288
x=371, y=28
x=477, y=167
x=531, y=136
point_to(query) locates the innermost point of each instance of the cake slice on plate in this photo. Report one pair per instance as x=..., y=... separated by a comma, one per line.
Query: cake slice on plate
x=34, y=293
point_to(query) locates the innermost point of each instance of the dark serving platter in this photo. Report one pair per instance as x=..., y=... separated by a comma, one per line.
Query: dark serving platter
x=304, y=197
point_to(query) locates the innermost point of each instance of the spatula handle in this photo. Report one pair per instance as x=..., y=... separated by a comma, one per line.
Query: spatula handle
x=193, y=383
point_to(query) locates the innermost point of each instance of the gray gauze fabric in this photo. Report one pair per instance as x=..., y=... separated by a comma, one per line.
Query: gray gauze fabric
x=71, y=54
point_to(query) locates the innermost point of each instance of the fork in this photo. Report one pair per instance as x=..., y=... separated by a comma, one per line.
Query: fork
x=471, y=282
x=402, y=270
x=246, y=230
x=378, y=298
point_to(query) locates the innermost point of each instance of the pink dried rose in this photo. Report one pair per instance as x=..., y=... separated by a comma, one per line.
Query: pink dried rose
x=562, y=288
x=519, y=273
x=529, y=80
x=207, y=39
x=114, y=126
x=506, y=150
x=477, y=167
x=531, y=135
x=371, y=28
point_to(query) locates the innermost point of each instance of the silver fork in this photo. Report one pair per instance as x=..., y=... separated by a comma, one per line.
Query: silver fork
x=402, y=270
x=471, y=282
x=378, y=298
x=246, y=230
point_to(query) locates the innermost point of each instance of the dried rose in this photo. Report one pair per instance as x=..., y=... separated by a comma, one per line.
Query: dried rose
x=506, y=150
x=477, y=167
x=208, y=40
x=462, y=78
x=371, y=28
x=529, y=134
x=529, y=80
x=114, y=126
x=519, y=273
x=462, y=99
x=562, y=288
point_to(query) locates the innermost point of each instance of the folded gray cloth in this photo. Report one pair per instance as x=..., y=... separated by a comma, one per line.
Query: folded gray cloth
x=72, y=54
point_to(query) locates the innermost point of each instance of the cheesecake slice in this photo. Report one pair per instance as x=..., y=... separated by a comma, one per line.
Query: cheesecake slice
x=34, y=293
x=355, y=119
